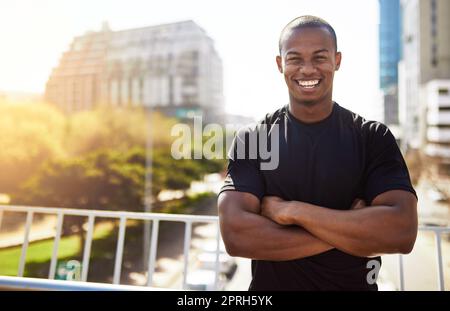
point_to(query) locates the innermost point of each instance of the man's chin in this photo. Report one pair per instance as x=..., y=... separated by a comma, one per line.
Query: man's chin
x=307, y=101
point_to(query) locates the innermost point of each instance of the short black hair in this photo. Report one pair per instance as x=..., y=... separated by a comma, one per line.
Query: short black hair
x=306, y=21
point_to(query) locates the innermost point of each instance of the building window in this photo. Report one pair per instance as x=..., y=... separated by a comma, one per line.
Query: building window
x=443, y=91
x=409, y=38
x=434, y=58
x=433, y=18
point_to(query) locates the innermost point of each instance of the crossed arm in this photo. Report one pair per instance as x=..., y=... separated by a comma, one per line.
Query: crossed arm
x=285, y=230
x=246, y=233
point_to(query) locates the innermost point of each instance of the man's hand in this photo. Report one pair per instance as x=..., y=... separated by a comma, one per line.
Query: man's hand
x=281, y=211
x=247, y=233
x=357, y=204
x=277, y=209
x=387, y=226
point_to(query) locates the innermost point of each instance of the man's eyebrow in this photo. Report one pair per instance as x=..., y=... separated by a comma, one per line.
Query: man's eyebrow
x=297, y=53
x=292, y=52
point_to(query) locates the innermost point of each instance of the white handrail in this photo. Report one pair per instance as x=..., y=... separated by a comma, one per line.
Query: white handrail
x=110, y=214
x=22, y=283
x=123, y=216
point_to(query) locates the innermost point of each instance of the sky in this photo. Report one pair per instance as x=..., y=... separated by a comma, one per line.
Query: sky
x=34, y=34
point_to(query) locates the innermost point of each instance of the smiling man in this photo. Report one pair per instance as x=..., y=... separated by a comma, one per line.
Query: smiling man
x=341, y=194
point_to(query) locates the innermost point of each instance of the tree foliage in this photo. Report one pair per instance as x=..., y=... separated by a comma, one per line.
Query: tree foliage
x=105, y=179
x=30, y=134
x=92, y=159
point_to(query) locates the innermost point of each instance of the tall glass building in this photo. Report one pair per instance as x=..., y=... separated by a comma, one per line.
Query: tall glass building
x=390, y=42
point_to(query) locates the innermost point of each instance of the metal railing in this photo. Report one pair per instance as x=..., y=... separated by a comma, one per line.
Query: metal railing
x=438, y=231
x=21, y=283
x=156, y=218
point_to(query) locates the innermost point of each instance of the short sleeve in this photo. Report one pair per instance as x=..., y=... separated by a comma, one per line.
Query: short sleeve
x=385, y=169
x=243, y=173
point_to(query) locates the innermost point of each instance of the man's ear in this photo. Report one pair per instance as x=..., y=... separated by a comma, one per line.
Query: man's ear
x=279, y=64
x=338, y=58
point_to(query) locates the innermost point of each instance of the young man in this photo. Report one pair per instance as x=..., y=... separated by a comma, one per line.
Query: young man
x=340, y=195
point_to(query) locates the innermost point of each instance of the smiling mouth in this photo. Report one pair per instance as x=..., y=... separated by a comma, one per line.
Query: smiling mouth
x=308, y=84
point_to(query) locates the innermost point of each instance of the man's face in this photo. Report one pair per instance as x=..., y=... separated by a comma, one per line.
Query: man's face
x=308, y=61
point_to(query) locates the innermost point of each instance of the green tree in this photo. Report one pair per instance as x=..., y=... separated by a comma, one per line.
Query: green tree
x=30, y=134
x=119, y=129
x=106, y=179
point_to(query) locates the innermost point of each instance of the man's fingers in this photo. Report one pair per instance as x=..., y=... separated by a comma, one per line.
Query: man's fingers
x=358, y=203
x=272, y=198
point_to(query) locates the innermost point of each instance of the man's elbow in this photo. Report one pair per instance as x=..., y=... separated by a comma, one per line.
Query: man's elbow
x=407, y=244
x=232, y=247
x=404, y=241
x=409, y=235
x=230, y=237
x=234, y=244
x=406, y=249
x=406, y=229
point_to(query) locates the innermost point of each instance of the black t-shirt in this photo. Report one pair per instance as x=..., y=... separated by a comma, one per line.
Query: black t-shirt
x=328, y=163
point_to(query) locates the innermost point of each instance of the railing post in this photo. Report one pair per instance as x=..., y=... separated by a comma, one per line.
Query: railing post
x=54, y=260
x=152, y=255
x=187, y=242
x=87, y=248
x=401, y=272
x=439, y=261
x=217, y=267
x=23, y=255
x=119, y=250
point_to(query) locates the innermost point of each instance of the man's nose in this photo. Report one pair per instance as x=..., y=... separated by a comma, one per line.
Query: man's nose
x=307, y=68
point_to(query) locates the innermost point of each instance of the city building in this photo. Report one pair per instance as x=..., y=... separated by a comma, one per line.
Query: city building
x=173, y=67
x=390, y=42
x=424, y=76
x=438, y=122
x=390, y=55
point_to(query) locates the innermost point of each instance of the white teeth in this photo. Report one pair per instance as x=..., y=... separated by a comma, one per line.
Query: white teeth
x=309, y=84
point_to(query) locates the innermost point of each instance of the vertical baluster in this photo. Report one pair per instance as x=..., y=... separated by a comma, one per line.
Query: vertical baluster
x=23, y=255
x=441, y=284
x=119, y=250
x=59, y=222
x=152, y=256
x=87, y=249
x=187, y=242
x=401, y=272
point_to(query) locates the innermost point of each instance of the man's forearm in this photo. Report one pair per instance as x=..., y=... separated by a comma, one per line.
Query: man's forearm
x=363, y=232
x=257, y=237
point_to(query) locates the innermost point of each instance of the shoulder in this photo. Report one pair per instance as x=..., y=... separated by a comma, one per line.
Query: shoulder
x=274, y=117
x=269, y=120
x=369, y=129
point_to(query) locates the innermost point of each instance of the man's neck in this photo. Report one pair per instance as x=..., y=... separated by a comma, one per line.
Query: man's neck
x=311, y=113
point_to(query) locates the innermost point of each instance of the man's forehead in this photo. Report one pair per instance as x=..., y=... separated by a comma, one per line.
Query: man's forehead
x=308, y=37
